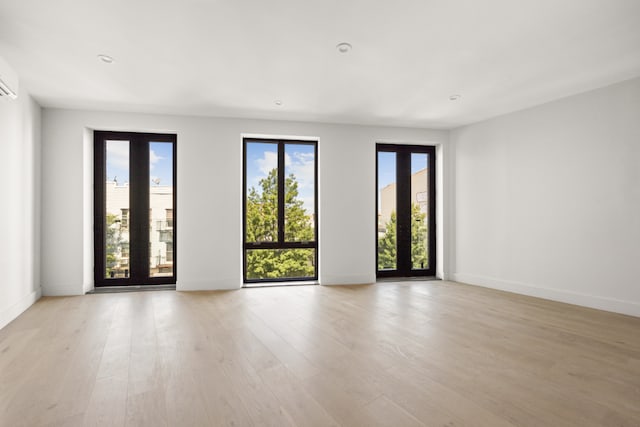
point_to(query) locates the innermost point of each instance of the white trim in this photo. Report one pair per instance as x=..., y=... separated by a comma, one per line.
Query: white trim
x=585, y=300
x=10, y=313
x=280, y=137
x=347, y=280
x=87, y=211
x=63, y=290
x=208, y=285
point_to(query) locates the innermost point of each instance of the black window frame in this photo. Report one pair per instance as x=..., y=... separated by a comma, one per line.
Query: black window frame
x=139, y=225
x=403, y=173
x=281, y=243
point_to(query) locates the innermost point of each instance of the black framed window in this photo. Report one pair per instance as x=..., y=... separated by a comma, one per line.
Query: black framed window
x=280, y=210
x=134, y=208
x=405, y=210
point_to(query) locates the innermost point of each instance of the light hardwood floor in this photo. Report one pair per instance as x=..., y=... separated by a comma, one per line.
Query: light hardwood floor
x=406, y=354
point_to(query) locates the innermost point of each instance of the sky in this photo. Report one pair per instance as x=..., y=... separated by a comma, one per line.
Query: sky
x=299, y=161
x=160, y=162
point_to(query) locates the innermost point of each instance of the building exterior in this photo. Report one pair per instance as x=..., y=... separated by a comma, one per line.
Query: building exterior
x=160, y=229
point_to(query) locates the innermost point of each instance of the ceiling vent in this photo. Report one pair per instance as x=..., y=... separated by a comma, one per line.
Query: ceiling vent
x=8, y=81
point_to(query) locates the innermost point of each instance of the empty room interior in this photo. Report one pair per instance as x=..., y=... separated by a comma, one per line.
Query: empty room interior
x=319, y=213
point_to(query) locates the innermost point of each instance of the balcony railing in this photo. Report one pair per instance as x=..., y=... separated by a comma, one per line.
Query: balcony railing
x=164, y=225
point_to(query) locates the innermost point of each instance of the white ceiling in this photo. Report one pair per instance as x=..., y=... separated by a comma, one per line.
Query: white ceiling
x=234, y=58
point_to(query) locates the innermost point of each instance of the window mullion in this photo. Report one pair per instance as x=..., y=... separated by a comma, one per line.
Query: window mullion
x=281, y=195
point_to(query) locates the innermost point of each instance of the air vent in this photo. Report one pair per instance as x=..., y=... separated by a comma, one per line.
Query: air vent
x=8, y=81
x=5, y=91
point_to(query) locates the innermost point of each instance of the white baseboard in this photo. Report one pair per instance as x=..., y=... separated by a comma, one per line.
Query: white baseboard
x=592, y=301
x=208, y=285
x=62, y=291
x=9, y=313
x=347, y=280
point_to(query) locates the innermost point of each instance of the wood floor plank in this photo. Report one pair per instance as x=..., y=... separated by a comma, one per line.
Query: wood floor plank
x=281, y=349
x=108, y=402
x=384, y=412
x=296, y=403
x=223, y=405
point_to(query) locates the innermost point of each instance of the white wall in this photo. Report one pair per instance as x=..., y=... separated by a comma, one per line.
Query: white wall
x=20, y=208
x=547, y=200
x=210, y=195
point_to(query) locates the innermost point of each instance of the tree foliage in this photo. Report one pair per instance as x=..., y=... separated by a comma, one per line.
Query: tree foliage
x=113, y=240
x=387, y=245
x=387, y=254
x=262, y=226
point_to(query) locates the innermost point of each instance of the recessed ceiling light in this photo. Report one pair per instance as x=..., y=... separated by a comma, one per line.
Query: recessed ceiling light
x=454, y=97
x=343, y=47
x=105, y=58
x=278, y=102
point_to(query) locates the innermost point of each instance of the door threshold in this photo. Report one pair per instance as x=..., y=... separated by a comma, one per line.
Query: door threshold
x=130, y=288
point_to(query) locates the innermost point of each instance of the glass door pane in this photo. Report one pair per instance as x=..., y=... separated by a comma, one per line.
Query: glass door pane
x=160, y=209
x=117, y=220
x=387, y=221
x=281, y=264
x=419, y=211
x=262, y=192
x=299, y=193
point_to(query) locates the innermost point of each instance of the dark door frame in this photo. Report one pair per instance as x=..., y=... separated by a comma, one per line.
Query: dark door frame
x=403, y=210
x=138, y=207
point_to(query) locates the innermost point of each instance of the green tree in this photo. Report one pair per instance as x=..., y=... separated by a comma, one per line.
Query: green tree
x=113, y=241
x=387, y=243
x=262, y=210
x=262, y=226
x=419, y=254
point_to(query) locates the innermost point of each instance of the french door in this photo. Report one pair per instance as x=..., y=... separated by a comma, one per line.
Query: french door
x=405, y=200
x=134, y=208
